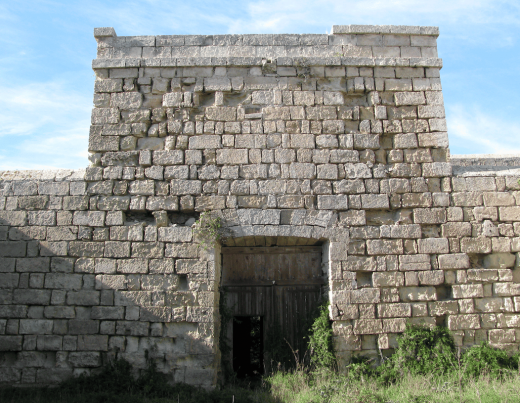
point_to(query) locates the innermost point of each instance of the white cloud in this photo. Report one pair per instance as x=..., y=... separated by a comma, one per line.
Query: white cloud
x=472, y=131
x=44, y=125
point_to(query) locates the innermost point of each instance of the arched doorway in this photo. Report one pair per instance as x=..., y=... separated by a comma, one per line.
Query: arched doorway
x=271, y=292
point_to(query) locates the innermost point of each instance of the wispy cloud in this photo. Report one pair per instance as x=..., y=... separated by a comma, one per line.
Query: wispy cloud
x=473, y=131
x=43, y=125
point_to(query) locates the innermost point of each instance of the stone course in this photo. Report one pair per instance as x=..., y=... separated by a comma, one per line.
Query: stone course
x=335, y=138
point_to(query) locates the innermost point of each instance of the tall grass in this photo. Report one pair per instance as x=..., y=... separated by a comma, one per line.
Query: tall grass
x=426, y=367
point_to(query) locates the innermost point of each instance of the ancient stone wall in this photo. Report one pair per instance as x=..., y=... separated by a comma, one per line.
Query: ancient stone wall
x=336, y=138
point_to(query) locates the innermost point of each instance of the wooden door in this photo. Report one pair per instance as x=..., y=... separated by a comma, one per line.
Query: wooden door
x=283, y=285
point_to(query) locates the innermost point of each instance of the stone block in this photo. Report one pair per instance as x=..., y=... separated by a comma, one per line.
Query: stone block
x=78, y=327
x=409, y=294
x=399, y=310
x=509, y=213
x=83, y=297
x=392, y=279
x=429, y=215
x=441, y=308
x=467, y=291
x=435, y=277
x=454, y=261
x=35, y=326
x=85, y=359
x=93, y=343
x=384, y=246
x=433, y=245
x=365, y=296
x=368, y=326
x=10, y=343
x=462, y=322
x=333, y=202
x=126, y=100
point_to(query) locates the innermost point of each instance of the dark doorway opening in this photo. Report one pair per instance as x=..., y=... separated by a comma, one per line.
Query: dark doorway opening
x=248, y=346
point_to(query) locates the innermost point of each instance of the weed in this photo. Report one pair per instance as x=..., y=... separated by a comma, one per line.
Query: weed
x=485, y=360
x=320, y=340
x=208, y=229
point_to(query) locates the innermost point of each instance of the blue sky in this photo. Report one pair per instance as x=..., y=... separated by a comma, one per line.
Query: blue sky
x=46, y=49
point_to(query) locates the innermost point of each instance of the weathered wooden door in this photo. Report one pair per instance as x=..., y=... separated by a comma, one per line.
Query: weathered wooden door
x=283, y=285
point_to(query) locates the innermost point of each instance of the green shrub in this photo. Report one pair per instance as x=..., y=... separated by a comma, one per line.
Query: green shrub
x=485, y=360
x=320, y=340
x=421, y=351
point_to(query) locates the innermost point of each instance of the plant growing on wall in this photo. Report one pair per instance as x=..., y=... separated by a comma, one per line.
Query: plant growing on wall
x=208, y=230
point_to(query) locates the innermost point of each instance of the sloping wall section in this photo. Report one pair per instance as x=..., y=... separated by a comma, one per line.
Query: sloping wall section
x=340, y=139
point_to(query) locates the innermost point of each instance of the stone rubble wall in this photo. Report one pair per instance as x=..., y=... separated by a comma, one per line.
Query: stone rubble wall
x=339, y=138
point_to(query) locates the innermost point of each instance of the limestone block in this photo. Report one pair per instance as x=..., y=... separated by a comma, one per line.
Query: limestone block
x=441, y=308
x=107, y=312
x=232, y=156
x=467, y=291
x=347, y=342
x=203, y=142
x=83, y=297
x=429, y=215
x=13, y=311
x=338, y=251
x=31, y=297
x=368, y=326
x=86, y=359
x=49, y=343
x=9, y=280
x=401, y=231
x=35, y=326
x=509, y=213
x=89, y=218
x=365, y=296
x=203, y=203
x=499, y=260
x=159, y=282
x=126, y=100
x=399, y=310
x=332, y=202
x=433, y=245
x=408, y=294
x=200, y=314
x=371, y=201
x=394, y=325
x=64, y=281
x=392, y=279
x=102, y=116
x=482, y=275
x=222, y=113
x=456, y=229
x=366, y=141
x=501, y=336
x=133, y=298
x=332, y=98
x=10, y=343
x=384, y=246
x=461, y=322
x=168, y=157
x=435, y=277
x=493, y=305
x=475, y=245
x=454, y=261
x=409, y=98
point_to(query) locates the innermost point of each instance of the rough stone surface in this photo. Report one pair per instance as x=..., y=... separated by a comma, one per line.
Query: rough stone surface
x=288, y=145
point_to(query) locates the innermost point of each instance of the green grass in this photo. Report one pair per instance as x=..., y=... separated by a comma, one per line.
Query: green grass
x=426, y=367
x=297, y=387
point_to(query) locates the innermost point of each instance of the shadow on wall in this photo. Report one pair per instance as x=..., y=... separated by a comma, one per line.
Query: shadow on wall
x=65, y=309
